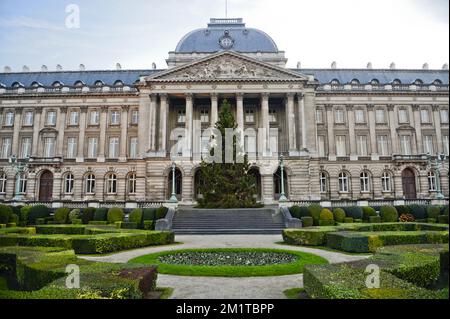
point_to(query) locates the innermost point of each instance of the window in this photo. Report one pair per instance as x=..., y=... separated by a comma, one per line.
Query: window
x=180, y=145
x=250, y=144
x=133, y=147
x=444, y=115
x=425, y=116
x=26, y=147
x=71, y=147
x=9, y=119
x=403, y=116
x=364, y=179
x=323, y=182
x=113, y=147
x=383, y=146
x=204, y=145
x=49, y=147
x=68, y=184
x=321, y=145
x=111, y=184
x=445, y=144
x=73, y=118
x=204, y=116
x=95, y=118
x=432, y=182
x=362, y=145
x=135, y=117
x=90, y=184
x=51, y=118
x=28, y=118
x=6, y=147
x=181, y=117
x=343, y=182
x=405, y=144
x=428, y=144
x=339, y=116
x=272, y=116
x=359, y=116
x=380, y=116
x=386, y=182
x=132, y=184
x=341, y=145
x=319, y=116
x=2, y=183
x=249, y=116
x=22, y=183
x=92, y=147
x=115, y=118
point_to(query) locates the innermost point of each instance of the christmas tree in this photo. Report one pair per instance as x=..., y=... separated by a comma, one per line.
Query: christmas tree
x=226, y=183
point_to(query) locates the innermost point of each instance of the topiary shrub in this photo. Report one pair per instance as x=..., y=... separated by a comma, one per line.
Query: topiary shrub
x=354, y=212
x=87, y=215
x=368, y=212
x=5, y=213
x=115, y=214
x=38, y=211
x=443, y=219
x=339, y=215
x=374, y=219
x=74, y=214
x=307, y=221
x=326, y=214
x=418, y=211
x=388, y=214
x=24, y=213
x=62, y=215
x=149, y=214
x=161, y=212
x=136, y=216
x=314, y=212
x=101, y=214
x=295, y=211
x=433, y=211
x=444, y=210
x=403, y=209
x=348, y=220
x=14, y=219
x=406, y=218
x=149, y=225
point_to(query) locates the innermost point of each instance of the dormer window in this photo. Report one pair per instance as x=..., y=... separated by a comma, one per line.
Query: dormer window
x=354, y=82
x=98, y=83
x=396, y=82
x=57, y=84
x=375, y=82
x=35, y=85
x=437, y=82
x=418, y=82
x=17, y=85
x=118, y=83
x=335, y=82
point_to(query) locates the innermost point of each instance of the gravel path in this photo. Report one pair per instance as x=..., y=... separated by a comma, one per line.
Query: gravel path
x=227, y=288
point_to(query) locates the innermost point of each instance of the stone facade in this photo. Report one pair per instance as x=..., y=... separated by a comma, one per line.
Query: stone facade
x=113, y=135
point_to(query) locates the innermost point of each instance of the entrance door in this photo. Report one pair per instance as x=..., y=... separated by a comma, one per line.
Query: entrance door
x=409, y=184
x=46, y=186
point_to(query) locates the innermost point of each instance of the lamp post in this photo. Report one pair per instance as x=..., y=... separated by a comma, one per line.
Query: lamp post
x=283, y=197
x=19, y=167
x=436, y=165
x=173, y=198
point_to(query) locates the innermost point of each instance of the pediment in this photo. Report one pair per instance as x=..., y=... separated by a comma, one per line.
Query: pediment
x=227, y=66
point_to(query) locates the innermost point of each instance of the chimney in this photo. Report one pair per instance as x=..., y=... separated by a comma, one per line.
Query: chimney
x=25, y=69
x=154, y=66
x=425, y=66
x=299, y=65
x=44, y=68
x=369, y=65
x=392, y=66
x=118, y=67
x=82, y=67
x=7, y=69
x=445, y=66
x=59, y=67
x=334, y=65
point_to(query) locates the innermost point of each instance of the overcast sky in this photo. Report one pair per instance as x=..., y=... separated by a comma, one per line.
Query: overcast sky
x=139, y=32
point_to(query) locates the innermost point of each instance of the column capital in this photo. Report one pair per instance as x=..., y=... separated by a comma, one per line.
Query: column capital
x=370, y=107
x=390, y=107
x=189, y=96
x=63, y=109
x=125, y=108
x=290, y=95
x=436, y=107
x=350, y=107
x=153, y=97
x=265, y=95
x=38, y=109
x=84, y=109
x=239, y=95
x=415, y=107
x=104, y=108
x=328, y=106
x=163, y=96
x=300, y=96
x=214, y=96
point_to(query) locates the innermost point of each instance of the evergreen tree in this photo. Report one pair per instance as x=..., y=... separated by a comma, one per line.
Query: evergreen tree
x=227, y=185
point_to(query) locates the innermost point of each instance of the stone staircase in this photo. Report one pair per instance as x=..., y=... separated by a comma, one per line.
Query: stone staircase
x=227, y=221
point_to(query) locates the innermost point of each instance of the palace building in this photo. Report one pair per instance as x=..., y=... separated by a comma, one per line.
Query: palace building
x=112, y=135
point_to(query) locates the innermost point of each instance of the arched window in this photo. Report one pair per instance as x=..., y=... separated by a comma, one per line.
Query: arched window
x=343, y=182
x=118, y=83
x=437, y=82
x=375, y=82
x=386, y=182
x=418, y=82
x=90, y=184
x=99, y=83
x=17, y=85
x=2, y=182
x=22, y=183
x=354, y=82
x=35, y=85
x=396, y=82
x=111, y=184
x=432, y=181
x=364, y=179
x=132, y=180
x=323, y=182
x=334, y=82
x=57, y=84
x=68, y=183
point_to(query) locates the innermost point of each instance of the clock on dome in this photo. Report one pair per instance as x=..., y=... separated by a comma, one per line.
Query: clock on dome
x=226, y=41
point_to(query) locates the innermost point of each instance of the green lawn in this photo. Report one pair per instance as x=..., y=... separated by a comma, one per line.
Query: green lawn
x=293, y=293
x=295, y=267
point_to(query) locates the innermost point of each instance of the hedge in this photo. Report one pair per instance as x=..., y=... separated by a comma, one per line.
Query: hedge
x=339, y=215
x=149, y=225
x=307, y=236
x=368, y=212
x=126, y=225
x=443, y=219
x=60, y=229
x=314, y=211
x=149, y=214
x=418, y=211
x=74, y=214
x=374, y=219
x=100, y=214
x=161, y=212
x=62, y=215
x=433, y=211
x=388, y=214
x=5, y=213
x=88, y=214
x=115, y=214
x=326, y=214
x=136, y=216
x=37, y=212
x=355, y=212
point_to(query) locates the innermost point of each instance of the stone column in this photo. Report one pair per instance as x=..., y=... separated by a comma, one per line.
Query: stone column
x=102, y=142
x=81, y=137
x=290, y=122
x=144, y=124
x=309, y=129
x=214, y=109
x=124, y=133
x=392, y=126
x=17, y=127
x=351, y=133
x=189, y=124
x=417, y=147
x=301, y=116
x=373, y=134
x=61, y=128
x=264, y=136
x=330, y=129
x=437, y=124
x=240, y=115
x=36, y=129
x=163, y=124
x=152, y=122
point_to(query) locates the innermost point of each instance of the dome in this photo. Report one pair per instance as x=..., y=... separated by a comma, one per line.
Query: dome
x=226, y=34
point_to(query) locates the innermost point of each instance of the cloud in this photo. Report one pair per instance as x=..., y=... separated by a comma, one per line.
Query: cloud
x=29, y=23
